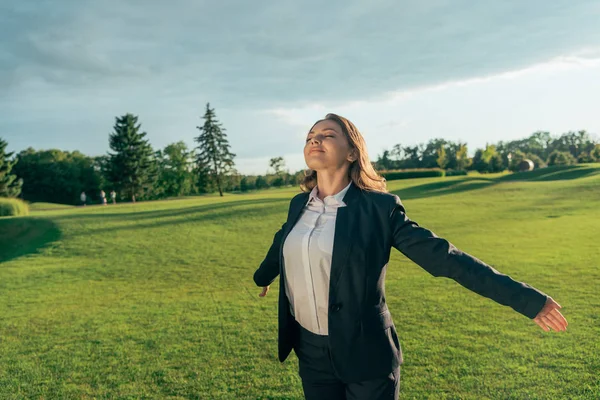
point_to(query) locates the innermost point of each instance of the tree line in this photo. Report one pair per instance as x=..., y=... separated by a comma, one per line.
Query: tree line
x=135, y=171
x=542, y=148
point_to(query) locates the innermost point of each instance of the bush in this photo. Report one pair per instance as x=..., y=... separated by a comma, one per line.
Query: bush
x=519, y=156
x=10, y=207
x=595, y=153
x=455, y=172
x=412, y=173
x=585, y=158
x=537, y=161
x=261, y=182
x=561, y=158
x=516, y=159
x=496, y=164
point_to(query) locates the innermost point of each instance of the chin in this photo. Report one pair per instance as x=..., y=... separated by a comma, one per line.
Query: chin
x=314, y=165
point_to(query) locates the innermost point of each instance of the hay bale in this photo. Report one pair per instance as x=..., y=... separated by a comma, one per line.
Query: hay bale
x=526, y=165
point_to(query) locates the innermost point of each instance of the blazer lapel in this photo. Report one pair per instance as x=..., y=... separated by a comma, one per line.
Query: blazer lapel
x=342, y=239
x=295, y=212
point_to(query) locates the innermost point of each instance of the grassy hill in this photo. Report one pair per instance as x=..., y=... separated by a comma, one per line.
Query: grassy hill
x=156, y=300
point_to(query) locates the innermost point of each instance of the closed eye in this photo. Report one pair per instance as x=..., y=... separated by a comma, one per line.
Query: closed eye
x=325, y=136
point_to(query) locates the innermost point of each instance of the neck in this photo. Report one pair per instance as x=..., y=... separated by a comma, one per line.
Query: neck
x=330, y=183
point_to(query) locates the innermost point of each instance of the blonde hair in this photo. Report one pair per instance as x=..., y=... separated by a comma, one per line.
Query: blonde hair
x=361, y=171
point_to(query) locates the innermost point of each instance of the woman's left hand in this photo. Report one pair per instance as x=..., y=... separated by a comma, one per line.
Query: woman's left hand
x=550, y=317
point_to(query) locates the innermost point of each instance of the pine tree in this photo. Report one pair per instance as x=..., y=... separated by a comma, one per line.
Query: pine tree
x=130, y=169
x=214, y=160
x=9, y=185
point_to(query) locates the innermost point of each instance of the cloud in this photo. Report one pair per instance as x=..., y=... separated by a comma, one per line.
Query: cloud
x=287, y=51
x=67, y=68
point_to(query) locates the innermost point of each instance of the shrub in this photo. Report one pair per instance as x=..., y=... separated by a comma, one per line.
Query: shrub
x=261, y=182
x=496, y=164
x=585, y=158
x=595, y=153
x=11, y=207
x=561, y=158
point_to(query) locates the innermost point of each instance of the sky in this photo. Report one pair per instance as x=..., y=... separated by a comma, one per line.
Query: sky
x=403, y=72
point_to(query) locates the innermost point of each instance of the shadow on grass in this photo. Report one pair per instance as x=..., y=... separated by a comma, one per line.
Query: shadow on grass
x=469, y=183
x=442, y=188
x=197, y=214
x=115, y=214
x=26, y=235
x=558, y=173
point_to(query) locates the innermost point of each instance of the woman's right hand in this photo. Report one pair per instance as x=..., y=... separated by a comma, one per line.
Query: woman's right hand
x=264, y=291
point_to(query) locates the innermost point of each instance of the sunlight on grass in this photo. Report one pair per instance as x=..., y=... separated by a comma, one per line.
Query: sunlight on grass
x=156, y=300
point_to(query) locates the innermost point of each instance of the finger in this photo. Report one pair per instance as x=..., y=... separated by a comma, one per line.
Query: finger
x=560, y=317
x=550, y=323
x=544, y=320
x=556, y=320
x=544, y=327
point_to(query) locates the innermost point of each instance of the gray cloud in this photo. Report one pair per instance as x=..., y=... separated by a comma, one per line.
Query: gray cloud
x=287, y=51
x=88, y=60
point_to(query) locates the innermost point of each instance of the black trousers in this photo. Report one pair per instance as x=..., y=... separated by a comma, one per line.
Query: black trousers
x=320, y=381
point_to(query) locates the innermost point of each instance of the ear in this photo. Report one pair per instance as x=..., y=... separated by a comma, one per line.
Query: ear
x=352, y=156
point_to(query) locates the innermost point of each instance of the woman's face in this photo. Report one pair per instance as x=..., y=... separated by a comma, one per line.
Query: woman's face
x=326, y=147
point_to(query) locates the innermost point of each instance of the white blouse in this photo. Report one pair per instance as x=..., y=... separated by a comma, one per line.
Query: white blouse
x=307, y=255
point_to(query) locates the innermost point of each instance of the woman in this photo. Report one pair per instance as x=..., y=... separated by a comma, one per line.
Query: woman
x=331, y=256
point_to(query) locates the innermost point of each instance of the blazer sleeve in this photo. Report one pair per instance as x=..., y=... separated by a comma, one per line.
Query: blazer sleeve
x=440, y=258
x=269, y=268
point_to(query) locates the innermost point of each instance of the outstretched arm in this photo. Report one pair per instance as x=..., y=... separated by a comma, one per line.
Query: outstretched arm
x=440, y=258
x=269, y=268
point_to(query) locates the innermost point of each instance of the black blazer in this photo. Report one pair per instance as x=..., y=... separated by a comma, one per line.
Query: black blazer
x=362, y=337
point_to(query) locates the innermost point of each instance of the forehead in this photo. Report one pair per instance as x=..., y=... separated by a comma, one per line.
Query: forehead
x=326, y=125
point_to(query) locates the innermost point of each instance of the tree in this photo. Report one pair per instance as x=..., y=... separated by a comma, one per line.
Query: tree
x=496, y=163
x=462, y=157
x=442, y=159
x=595, y=153
x=430, y=153
x=261, y=182
x=384, y=162
x=515, y=160
x=214, y=159
x=413, y=156
x=397, y=153
x=561, y=158
x=131, y=167
x=537, y=161
x=479, y=164
x=175, y=165
x=10, y=186
x=585, y=157
x=488, y=160
x=278, y=164
x=57, y=176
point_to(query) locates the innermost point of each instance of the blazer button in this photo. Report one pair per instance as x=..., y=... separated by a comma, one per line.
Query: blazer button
x=335, y=307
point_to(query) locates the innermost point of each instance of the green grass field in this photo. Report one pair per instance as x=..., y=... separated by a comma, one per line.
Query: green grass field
x=156, y=300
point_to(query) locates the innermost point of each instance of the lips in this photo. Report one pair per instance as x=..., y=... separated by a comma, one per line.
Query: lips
x=316, y=151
